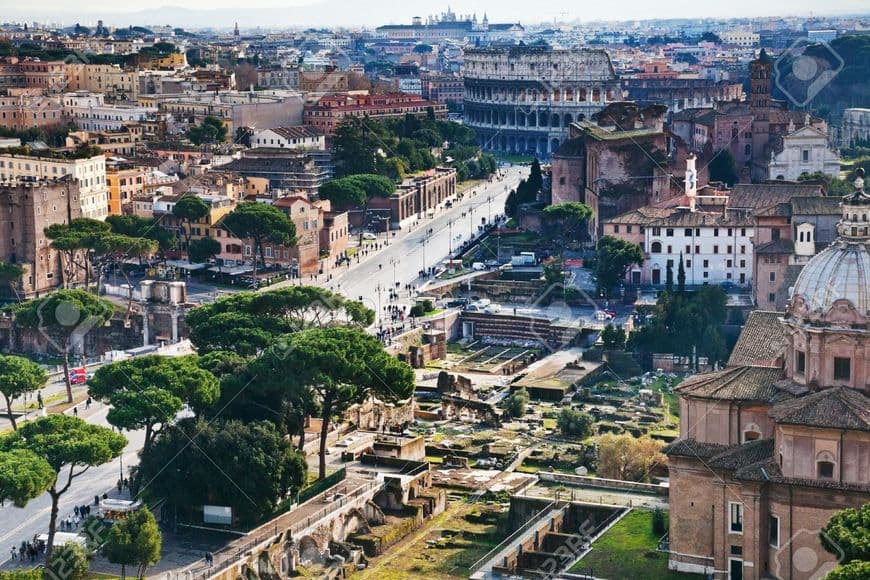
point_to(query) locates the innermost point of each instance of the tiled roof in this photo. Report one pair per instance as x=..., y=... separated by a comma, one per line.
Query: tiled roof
x=765, y=195
x=296, y=132
x=780, y=246
x=778, y=210
x=646, y=215
x=736, y=383
x=739, y=456
x=834, y=408
x=693, y=448
x=769, y=470
x=761, y=341
x=816, y=206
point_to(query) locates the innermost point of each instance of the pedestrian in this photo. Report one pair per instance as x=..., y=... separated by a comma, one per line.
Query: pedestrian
x=76, y=510
x=14, y=553
x=39, y=399
x=88, y=403
x=76, y=411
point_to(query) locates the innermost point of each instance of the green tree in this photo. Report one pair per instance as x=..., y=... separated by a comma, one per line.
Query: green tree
x=73, y=240
x=516, y=403
x=18, y=376
x=212, y=130
x=626, y=457
x=189, y=209
x=260, y=223
x=614, y=256
x=613, y=337
x=70, y=446
x=352, y=150
x=247, y=322
x=669, y=277
x=248, y=466
x=847, y=534
x=10, y=278
x=722, y=167
x=68, y=561
x=339, y=366
x=565, y=223
x=681, y=276
x=65, y=316
x=134, y=541
x=202, y=250
x=574, y=423
x=854, y=570
x=23, y=476
x=114, y=249
x=147, y=392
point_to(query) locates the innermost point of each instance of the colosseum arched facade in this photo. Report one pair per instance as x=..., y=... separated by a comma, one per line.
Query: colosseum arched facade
x=522, y=99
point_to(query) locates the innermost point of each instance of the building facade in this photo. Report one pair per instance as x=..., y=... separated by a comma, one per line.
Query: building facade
x=523, y=99
x=327, y=113
x=775, y=443
x=855, y=128
x=27, y=207
x=803, y=151
x=300, y=137
x=90, y=172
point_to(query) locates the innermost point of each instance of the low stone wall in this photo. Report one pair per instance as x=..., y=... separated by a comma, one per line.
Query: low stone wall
x=584, y=481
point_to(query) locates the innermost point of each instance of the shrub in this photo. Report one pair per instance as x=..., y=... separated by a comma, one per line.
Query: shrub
x=659, y=523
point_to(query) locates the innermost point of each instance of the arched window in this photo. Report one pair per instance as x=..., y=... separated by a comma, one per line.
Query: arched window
x=825, y=465
x=656, y=248
x=751, y=432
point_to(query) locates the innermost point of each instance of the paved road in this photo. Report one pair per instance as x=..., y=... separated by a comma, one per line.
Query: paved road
x=17, y=524
x=411, y=252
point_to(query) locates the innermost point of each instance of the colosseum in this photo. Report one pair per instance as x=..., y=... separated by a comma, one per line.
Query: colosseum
x=521, y=99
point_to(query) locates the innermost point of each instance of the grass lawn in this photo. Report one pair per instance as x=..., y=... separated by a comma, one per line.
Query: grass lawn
x=628, y=550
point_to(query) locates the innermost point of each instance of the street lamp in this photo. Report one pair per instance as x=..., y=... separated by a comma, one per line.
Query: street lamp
x=450, y=241
x=394, y=261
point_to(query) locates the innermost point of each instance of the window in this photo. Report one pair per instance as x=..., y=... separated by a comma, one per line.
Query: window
x=688, y=232
x=697, y=249
x=669, y=232
x=743, y=232
x=842, y=368
x=715, y=232
x=805, y=155
x=729, y=263
x=688, y=263
x=773, y=276
x=715, y=249
x=656, y=248
x=742, y=263
x=773, y=531
x=616, y=229
x=800, y=361
x=628, y=229
x=771, y=297
x=735, y=518
x=656, y=231
x=826, y=469
x=774, y=234
x=688, y=249
x=706, y=263
x=670, y=249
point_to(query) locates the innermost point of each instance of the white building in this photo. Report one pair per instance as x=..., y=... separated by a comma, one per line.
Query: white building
x=803, y=150
x=90, y=112
x=714, y=243
x=89, y=171
x=856, y=127
x=740, y=37
x=299, y=137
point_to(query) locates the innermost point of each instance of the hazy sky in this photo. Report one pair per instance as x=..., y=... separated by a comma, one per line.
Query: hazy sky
x=373, y=12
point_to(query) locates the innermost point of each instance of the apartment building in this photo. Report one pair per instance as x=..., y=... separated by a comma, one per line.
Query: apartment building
x=85, y=167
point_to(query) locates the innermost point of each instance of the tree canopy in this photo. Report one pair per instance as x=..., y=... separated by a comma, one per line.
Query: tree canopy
x=212, y=130
x=248, y=466
x=68, y=444
x=18, y=376
x=65, y=317
x=614, y=256
x=338, y=366
x=261, y=223
x=574, y=423
x=134, y=541
x=147, y=392
x=356, y=190
x=248, y=322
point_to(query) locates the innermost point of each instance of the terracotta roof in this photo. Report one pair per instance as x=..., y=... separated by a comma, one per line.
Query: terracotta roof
x=780, y=246
x=816, y=206
x=646, y=215
x=834, y=408
x=761, y=342
x=693, y=448
x=739, y=456
x=736, y=383
x=765, y=195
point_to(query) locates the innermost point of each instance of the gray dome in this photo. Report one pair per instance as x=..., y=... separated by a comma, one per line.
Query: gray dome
x=840, y=272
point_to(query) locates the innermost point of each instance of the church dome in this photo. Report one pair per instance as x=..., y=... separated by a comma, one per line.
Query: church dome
x=835, y=284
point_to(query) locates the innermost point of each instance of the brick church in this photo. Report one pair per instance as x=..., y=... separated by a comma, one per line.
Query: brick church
x=775, y=443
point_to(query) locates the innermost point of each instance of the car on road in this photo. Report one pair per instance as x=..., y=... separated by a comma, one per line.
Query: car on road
x=457, y=303
x=610, y=312
x=369, y=236
x=602, y=316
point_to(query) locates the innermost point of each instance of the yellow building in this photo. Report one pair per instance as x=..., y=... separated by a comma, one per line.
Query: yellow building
x=126, y=182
